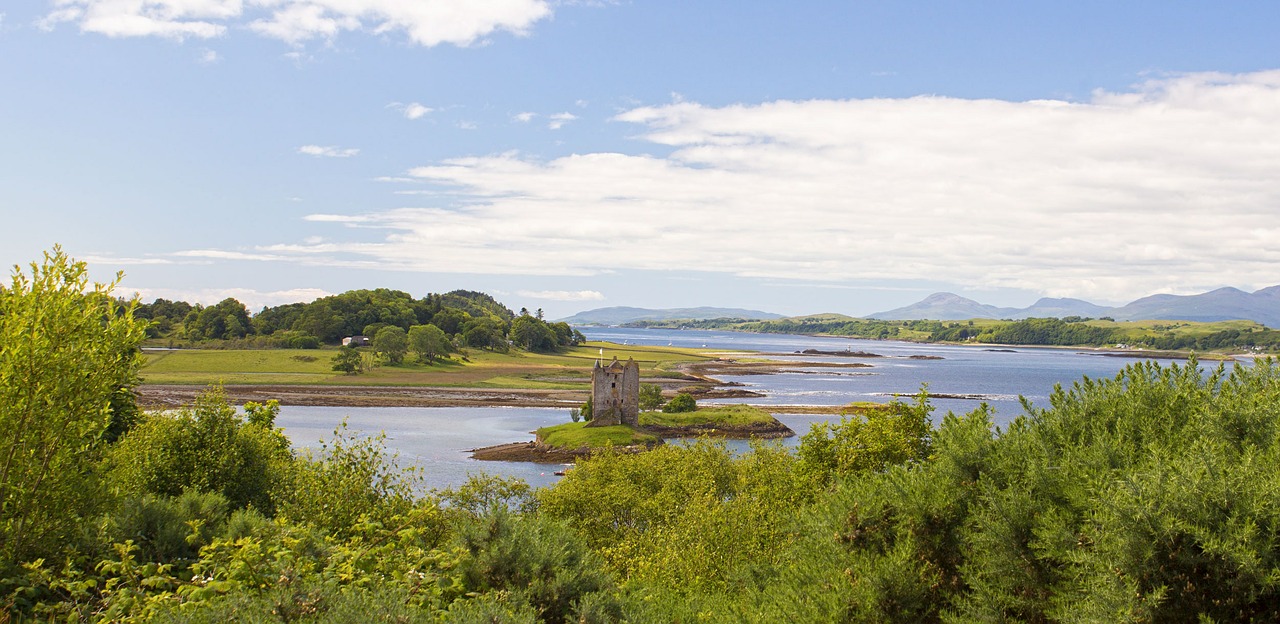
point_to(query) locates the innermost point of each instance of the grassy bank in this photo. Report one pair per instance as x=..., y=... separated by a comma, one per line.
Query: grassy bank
x=720, y=415
x=569, y=369
x=578, y=435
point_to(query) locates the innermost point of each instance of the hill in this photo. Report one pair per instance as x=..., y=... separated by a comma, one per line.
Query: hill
x=620, y=314
x=1223, y=304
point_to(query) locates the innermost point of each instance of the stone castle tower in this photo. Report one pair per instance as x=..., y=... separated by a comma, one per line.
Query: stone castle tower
x=615, y=394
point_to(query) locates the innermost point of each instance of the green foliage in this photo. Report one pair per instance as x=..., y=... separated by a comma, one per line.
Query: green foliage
x=226, y=320
x=531, y=559
x=725, y=415
x=682, y=402
x=67, y=367
x=871, y=441
x=485, y=333
x=392, y=343
x=171, y=528
x=586, y=411
x=681, y=519
x=429, y=342
x=205, y=448
x=576, y=435
x=650, y=396
x=350, y=480
x=484, y=492
x=347, y=360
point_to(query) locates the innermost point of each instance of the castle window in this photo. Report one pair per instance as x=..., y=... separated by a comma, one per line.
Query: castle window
x=613, y=385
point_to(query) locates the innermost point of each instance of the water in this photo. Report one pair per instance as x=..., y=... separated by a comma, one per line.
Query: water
x=997, y=375
x=434, y=438
x=437, y=439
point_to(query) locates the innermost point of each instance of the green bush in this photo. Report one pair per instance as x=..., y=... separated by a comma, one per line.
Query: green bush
x=350, y=480
x=680, y=403
x=207, y=447
x=68, y=365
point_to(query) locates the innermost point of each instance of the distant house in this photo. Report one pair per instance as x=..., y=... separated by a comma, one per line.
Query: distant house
x=356, y=341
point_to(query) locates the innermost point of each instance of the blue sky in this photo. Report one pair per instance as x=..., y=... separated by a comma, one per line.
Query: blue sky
x=793, y=157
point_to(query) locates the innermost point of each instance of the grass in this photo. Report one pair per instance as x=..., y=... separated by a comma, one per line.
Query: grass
x=718, y=415
x=865, y=407
x=569, y=369
x=579, y=435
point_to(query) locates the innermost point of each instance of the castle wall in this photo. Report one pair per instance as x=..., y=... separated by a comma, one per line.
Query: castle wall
x=615, y=394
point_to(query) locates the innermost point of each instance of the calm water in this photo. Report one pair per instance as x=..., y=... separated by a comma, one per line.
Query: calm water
x=437, y=438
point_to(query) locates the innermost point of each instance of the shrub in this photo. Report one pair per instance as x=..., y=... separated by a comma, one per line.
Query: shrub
x=680, y=403
x=205, y=448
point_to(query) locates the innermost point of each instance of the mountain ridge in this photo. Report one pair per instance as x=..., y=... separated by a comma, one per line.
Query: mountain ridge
x=1222, y=304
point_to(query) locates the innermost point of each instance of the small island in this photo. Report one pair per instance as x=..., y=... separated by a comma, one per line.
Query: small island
x=565, y=443
x=615, y=421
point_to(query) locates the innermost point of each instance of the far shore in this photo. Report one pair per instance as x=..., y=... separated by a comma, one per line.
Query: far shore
x=698, y=378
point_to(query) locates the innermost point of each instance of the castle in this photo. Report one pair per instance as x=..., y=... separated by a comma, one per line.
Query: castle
x=615, y=394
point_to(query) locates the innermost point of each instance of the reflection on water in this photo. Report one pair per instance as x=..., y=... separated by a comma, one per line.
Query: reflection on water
x=437, y=439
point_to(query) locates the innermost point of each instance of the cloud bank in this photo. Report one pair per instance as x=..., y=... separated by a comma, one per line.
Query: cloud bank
x=424, y=22
x=1168, y=187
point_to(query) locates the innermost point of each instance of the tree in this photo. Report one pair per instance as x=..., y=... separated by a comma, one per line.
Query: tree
x=682, y=402
x=650, y=396
x=68, y=354
x=392, y=342
x=348, y=360
x=531, y=334
x=429, y=342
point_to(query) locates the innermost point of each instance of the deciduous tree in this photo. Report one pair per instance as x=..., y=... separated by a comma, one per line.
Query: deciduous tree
x=66, y=353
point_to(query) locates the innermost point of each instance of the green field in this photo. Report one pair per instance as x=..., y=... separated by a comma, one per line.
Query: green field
x=569, y=369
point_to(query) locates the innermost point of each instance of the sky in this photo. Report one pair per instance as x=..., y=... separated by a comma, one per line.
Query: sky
x=796, y=158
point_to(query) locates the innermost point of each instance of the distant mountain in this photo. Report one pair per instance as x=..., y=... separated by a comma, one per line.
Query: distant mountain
x=618, y=315
x=1223, y=304
x=942, y=306
x=1060, y=308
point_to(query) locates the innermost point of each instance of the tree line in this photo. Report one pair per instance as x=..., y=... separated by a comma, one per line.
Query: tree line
x=467, y=319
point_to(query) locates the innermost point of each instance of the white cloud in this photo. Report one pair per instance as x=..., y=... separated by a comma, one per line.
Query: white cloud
x=558, y=120
x=563, y=295
x=1169, y=187
x=467, y=125
x=424, y=22
x=208, y=57
x=254, y=300
x=173, y=19
x=114, y=261
x=416, y=111
x=328, y=151
x=220, y=254
x=525, y=117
